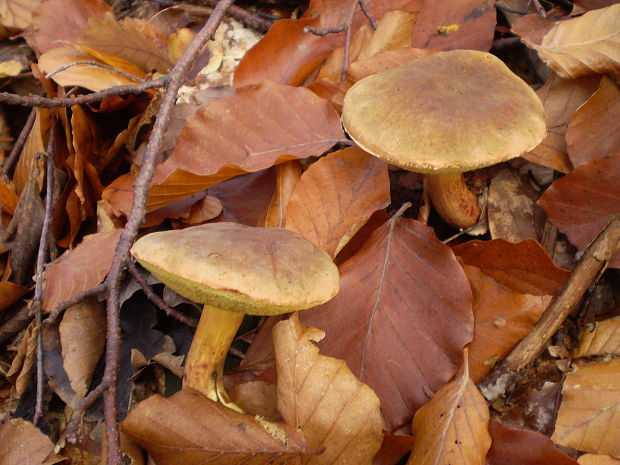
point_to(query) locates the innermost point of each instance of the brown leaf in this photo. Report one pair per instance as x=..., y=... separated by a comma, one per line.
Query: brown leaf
x=17, y=13
x=203, y=210
x=561, y=98
x=82, y=336
x=10, y=293
x=58, y=20
x=531, y=28
x=393, y=32
x=588, y=418
x=22, y=365
x=393, y=323
x=502, y=317
x=453, y=427
x=591, y=459
x=222, y=140
x=589, y=44
x=336, y=196
x=257, y=398
x=524, y=267
x=188, y=429
x=24, y=444
x=594, y=129
x=321, y=397
x=582, y=203
x=8, y=197
x=393, y=449
x=524, y=447
x=34, y=144
x=603, y=338
x=287, y=177
x=79, y=269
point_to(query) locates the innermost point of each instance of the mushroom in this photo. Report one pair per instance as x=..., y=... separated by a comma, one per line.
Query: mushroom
x=442, y=115
x=235, y=270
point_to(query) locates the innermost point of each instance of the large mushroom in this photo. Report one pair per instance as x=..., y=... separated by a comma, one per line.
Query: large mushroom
x=235, y=270
x=442, y=115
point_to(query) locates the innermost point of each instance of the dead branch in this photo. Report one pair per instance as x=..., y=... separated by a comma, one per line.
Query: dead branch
x=19, y=144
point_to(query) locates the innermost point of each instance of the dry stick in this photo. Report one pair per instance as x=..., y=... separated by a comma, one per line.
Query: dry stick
x=38, y=290
x=136, y=217
x=158, y=301
x=364, y=9
x=590, y=266
x=97, y=65
x=246, y=17
x=19, y=145
x=56, y=102
x=77, y=298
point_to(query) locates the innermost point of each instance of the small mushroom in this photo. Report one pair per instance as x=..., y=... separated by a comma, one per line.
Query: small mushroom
x=442, y=115
x=235, y=270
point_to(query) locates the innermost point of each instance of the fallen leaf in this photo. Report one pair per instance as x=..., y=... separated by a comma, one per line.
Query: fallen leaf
x=453, y=426
x=393, y=323
x=582, y=203
x=602, y=338
x=589, y=44
x=79, y=269
x=322, y=398
x=336, y=196
x=531, y=28
x=287, y=177
x=35, y=143
x=393, y=449
x=560, y=98
x=222, y=141
x=257, y=398
x=594, y=129
x=24, y=444
x=8, y=197
x=82, y=336
x=17, y=13
x=188, y=429
x=203, y=210
x=22, y=365
x=10, y=293
x=588, y=418
x=55, y=374
x=393, y=31
x=591, y=459
x=502, y=318
x=524, y=447
x=524, y=267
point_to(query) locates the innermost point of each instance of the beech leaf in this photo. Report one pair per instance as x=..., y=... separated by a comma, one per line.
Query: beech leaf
x=393, y=322
x=336, y=196
x=453, y=427
x=24, y=444
x=602, y=338
x=321, y=397
x=189, y=429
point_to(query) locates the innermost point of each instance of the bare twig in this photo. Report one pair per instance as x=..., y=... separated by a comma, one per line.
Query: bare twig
x=158, y=301
x=246, y=17
x=38, y=290
x=19, y=144
x=588, y=269
x=97, y=65
x=364, y=9
x=56, y=102
x=77, y=298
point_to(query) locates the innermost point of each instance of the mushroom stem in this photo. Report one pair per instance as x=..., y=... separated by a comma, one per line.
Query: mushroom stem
x=204, y=367
x=454, y=202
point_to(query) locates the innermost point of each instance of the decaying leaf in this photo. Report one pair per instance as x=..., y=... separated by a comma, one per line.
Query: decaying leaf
x=336, y=196
x=24, y=444
x=24, y=361
x=588, y=419
x=10, y=293
x=188, y=429
x=287, y=177
x=79, y=269
x=592, y=459
x=602, y=338
x=589, y=44
x=453, y=427
x=393, y=323
x=322, y=398
x=17, y=13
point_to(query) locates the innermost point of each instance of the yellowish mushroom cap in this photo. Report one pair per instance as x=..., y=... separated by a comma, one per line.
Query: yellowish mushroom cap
x=451, y=112
x=257, y=271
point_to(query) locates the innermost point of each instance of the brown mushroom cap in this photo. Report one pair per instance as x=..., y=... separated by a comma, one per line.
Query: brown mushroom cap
x=257, y=271
x=450, y=112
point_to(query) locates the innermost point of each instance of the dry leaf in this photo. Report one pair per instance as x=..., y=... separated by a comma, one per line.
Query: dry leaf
x=82, y=336
x=513, y=445
x=10, y=293
x=287, y=177
x=532, y=29
x=453, y=427
x=588, y=418
x=322, y=398
x=589, y=44
x=591, y=459
x=502, y=317
x=257, y=398
x=393, y=322
x=594, y=129
x=524, y=267
x=601, y=338
x=22, y=365
x=393, y=449
x=188, y=429
x=24, y=444
x=561, y=98
x=17, y=13
x=393, y=32
x=582, y=203
x=336, y=196
x=204, y=210
x=79, y=269
x=8, y=197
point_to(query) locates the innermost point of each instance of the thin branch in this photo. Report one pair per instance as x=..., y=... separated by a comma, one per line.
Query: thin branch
x=246, y=17
x=369, y=17
x=97, y=65
x=77, y=298
x=19, y=144
x=591, y=265
x=158, y=301
x=57, y=102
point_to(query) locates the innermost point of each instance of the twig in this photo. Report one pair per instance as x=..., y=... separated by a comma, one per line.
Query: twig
x=19, y=144
x=97, y=65
x=56, y=102
x=38, y=289
x=77, y=298
x=246, y=17
x=364, y=9
x=158, y=301
x=593, y=262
